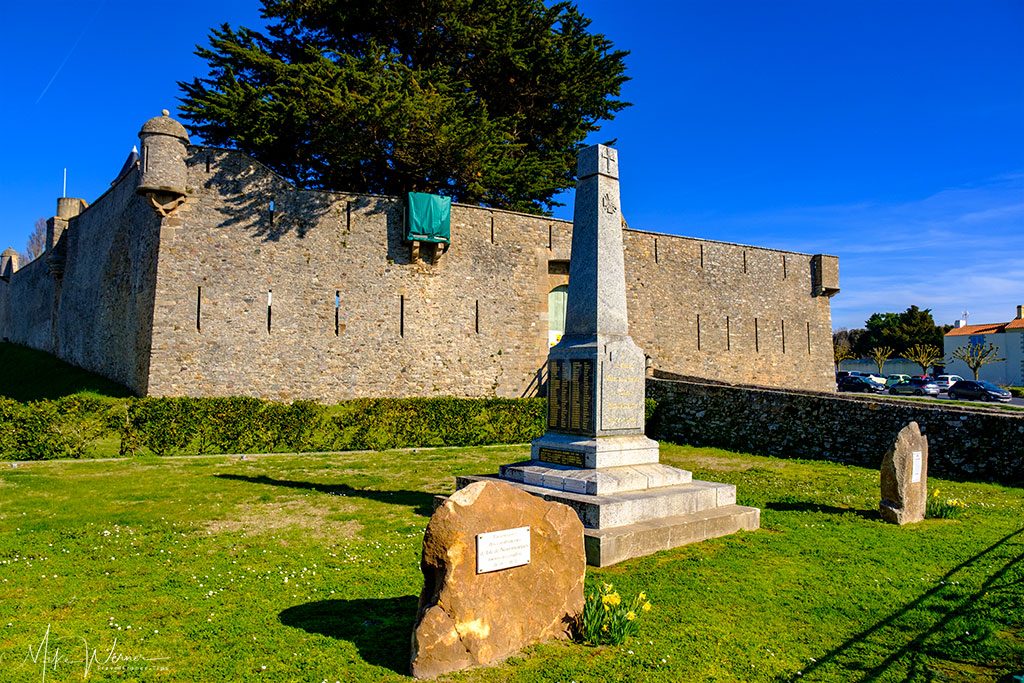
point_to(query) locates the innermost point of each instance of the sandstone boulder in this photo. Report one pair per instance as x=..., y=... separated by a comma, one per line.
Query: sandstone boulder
x=468, y=618
x=905, y=477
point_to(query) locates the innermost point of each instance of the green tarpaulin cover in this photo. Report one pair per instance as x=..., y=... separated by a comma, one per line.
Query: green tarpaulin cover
x=428, y=218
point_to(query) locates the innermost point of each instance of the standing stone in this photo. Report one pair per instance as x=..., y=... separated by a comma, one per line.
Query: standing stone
x=469, y=617
x=594, y=456
x=905, y=477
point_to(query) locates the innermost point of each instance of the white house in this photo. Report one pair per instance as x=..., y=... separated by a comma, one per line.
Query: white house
x=1007, y=337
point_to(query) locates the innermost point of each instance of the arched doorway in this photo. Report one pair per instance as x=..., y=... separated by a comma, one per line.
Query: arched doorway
x=558, y=298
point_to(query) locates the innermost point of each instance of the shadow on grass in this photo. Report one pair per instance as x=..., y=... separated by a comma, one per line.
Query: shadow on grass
x=794, y=506
x=381, y=629
x=421, y=503
x=1000, y=563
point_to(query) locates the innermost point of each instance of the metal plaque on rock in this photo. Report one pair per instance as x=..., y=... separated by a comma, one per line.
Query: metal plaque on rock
x=503, y=549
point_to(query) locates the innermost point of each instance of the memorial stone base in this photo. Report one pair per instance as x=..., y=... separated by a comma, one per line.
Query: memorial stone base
x=632, y=511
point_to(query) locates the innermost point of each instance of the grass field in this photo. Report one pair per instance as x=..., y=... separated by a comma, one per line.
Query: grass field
x=305, y=568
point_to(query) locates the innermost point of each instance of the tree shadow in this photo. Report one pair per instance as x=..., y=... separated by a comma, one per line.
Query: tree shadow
x=939, y=606
x=381, y=629
x=803, y=506
x=422, y=503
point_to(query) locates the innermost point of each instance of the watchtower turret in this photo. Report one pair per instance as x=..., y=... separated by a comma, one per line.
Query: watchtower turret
x=164, y=174
x=8, y=263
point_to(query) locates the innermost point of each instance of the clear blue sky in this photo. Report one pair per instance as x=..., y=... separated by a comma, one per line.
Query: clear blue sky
x=889, y=133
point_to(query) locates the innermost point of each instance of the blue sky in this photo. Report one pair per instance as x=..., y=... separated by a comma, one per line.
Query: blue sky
x=888, y=132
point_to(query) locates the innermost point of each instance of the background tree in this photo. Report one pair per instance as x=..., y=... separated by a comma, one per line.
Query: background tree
x=36, y=243
x=977, y=355
x=841, y=351
x=487, y=102
x=880, y=354
x=924, y=355
x=899, y=331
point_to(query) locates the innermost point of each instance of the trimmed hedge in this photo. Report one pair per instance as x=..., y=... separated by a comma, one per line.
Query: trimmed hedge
x=1018, y=392
x=87, y=426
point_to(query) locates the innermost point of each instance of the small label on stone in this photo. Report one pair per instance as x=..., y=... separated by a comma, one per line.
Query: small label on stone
x=503, y=549
x=556, y=457
x=915, y=472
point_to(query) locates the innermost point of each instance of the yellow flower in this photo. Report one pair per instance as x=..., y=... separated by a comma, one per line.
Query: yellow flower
x=607, y=587
x=641, y=597
x=646, y=607
x=607, y=608
x=630, y=616
x=605, y=628
x=612, y=599
x=935, y=493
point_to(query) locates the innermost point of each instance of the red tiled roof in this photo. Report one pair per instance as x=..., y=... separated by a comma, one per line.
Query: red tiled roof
x=1015, y=324
x=988, y=328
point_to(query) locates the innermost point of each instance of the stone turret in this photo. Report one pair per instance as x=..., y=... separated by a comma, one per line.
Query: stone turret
x=8, y=263
x=164, y=173
x=67, y=208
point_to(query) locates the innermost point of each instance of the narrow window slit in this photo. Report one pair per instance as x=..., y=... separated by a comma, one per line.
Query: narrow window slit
x=199, y=309
x=401, y=315
x=702, y=256
x=698, y=331
x=348, y=216
x=784, y=273
x=337, y=312
x=207, y=163
x=808, y=337
x=783, y=336
x=744, y=260
x=728, y=334
x=757, y=341
x=655, y=249
x=551, y=235
x=476, y=323
x=270, y=305
x=492, y=228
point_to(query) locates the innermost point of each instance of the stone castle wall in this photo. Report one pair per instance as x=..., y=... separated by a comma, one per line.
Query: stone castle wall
x=178, y=304
x=89, y=299
x=963, y=442
x=106, y=298
x=27, y=306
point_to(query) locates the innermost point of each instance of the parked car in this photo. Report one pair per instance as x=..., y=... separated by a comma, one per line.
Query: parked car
x=979, y=391
x=893, y=380
x=877, y=379
x=861, y=384
x=946, y=381
x=915, y=386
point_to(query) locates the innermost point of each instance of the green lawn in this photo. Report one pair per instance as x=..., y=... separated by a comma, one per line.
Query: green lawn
x=30, y=375
x=305, y=568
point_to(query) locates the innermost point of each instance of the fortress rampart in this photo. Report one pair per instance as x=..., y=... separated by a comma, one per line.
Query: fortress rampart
x=201, y=272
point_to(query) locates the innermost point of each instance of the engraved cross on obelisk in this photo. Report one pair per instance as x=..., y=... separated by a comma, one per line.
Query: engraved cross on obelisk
x=596, y=372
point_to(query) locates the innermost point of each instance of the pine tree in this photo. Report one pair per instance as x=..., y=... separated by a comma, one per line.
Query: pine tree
x=486, y=102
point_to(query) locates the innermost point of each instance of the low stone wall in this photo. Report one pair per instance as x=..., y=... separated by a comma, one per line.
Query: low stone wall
x=963, y=443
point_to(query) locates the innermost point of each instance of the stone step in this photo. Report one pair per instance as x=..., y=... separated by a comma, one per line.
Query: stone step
x=594, y=482
x=608, y=546
x=631, y=507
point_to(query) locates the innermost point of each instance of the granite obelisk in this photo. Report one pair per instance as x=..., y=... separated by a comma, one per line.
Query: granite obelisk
x=594, y=456
x=596, y=372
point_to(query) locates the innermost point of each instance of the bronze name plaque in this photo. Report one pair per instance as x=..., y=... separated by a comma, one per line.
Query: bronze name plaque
x=556, y=457
x=571, y=396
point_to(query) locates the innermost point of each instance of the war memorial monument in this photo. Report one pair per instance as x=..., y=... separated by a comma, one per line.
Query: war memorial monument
x=594, y=456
